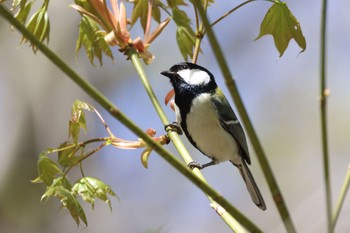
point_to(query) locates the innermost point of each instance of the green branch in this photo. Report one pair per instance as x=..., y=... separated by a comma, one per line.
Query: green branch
x=341, y=199
x=228, y=13
x=276, y=193
x=120, y=116
x=323, y=112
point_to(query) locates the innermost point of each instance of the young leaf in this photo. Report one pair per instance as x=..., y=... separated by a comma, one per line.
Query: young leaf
x=283, y=26
x=77, y=120
x=180, y=18
x=68, y=201
x=24, y=9
x=16, y=3
x=62, y=181
x=156, y=11
x=140, y=11
x=186, y=41
x=67, y=157
x=144, y=156
x=90, y=188
x=39, y=26
x=47, y=169
x=93, y=40
x=175, y=3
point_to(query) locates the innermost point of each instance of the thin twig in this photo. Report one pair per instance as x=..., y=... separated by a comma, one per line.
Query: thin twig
x=228, y=13
x=341, y=199
x=323, y=112
x=104, y=123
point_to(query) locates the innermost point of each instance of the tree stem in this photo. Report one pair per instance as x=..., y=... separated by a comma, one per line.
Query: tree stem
x=341, y=199
x=323, y=112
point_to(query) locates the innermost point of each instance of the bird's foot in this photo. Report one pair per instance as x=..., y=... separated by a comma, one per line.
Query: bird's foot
x=194, y=164
x=175, y=127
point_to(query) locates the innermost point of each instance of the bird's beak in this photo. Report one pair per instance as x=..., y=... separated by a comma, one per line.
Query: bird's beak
x=167, y=73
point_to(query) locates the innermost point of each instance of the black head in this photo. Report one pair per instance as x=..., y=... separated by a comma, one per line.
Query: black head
x=186, y=75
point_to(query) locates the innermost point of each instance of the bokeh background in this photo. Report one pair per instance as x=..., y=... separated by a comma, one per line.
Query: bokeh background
x=281, y=96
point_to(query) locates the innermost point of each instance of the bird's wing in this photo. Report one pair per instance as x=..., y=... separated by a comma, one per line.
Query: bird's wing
x=230, y=122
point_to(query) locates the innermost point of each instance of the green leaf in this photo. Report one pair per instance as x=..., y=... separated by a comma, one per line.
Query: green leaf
x=23, y=12
x=62, y=181
x=156, y=11
x=91, y=188
x=140, y=11
x=78, y=120
x=47, y=169
x=74, y=130
x=185, y=41
x=67, y=157
x=68, y=201
x=181, y=19
x=16, y=3
x=283, y=26
x=145, y=156
x=39, y=26
x=92, y=39
x=175, y=3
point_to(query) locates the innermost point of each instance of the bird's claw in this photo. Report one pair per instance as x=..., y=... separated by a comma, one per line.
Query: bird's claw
x=175, y=127
x=194, y=164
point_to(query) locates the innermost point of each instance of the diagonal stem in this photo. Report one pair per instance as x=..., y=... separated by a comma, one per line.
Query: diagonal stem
x=341, y=199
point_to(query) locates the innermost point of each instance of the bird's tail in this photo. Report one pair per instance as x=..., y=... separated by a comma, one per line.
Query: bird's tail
x=251, y=185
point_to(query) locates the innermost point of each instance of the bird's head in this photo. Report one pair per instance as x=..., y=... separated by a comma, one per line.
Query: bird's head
x=186, y=75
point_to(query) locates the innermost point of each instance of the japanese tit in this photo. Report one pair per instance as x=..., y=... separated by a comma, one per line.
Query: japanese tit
x=209, y=122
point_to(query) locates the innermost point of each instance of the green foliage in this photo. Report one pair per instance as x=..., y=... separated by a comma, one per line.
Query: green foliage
x=47, y=169
x=60, y=189
x=283, y=26
x=38, y=24
x=91, y=188
x=92, y=39
x=140, y=11
x=185, y=36
x=278, y=22
x=23, y=11
x=69, y=155
x=185, y=40
x=78, y=121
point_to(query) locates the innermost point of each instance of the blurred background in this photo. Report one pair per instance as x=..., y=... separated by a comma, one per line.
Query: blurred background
x=280, y=94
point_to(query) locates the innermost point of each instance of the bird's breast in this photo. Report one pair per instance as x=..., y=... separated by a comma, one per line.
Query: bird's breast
x=204, y=127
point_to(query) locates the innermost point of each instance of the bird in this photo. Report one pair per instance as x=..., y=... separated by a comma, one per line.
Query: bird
x=209, y=122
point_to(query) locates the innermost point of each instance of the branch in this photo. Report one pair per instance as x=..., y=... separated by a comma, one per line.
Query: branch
x=341, y=199
x=276, y=193
x=323, y=112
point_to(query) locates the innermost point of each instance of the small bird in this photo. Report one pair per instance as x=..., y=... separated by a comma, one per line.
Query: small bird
x=209, y=122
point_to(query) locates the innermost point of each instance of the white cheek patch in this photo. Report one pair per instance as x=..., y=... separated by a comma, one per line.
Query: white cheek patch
x=195, y=76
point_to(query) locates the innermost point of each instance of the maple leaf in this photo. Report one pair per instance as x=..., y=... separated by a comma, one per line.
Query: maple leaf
x=283, y=26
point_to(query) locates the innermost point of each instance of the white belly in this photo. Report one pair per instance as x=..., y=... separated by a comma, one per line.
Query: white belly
x=204, y=127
